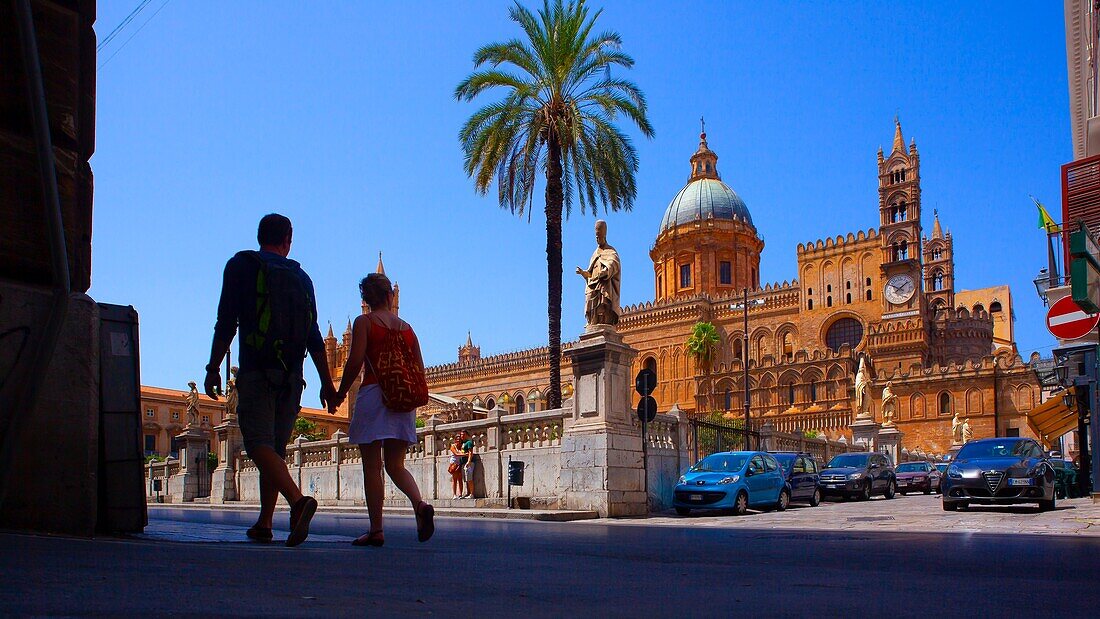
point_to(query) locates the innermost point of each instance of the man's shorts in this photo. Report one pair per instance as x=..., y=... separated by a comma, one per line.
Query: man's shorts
x=468, y=471
x=268, y=404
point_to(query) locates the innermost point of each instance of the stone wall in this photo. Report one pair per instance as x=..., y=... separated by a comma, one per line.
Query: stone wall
x=332, y=470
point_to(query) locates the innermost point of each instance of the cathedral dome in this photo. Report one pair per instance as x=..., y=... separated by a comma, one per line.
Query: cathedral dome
x=702, y=199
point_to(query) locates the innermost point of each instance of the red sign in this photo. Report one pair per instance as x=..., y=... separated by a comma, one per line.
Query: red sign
x=1067, y=321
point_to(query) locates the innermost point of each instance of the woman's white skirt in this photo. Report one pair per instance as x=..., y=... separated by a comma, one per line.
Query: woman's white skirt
x=372, y=421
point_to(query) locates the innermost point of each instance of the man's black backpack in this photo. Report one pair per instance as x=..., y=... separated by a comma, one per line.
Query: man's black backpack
x=284, y=313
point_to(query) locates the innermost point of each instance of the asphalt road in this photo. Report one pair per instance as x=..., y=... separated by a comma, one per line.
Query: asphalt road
x=478, y=567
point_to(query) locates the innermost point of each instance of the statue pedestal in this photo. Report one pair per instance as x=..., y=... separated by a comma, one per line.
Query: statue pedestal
x=183, y=487
x=889, y=441
x=601, y=448
x=865, y=432
x=223, y=485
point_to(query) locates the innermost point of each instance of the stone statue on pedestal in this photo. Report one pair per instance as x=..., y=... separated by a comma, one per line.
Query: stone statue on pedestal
x=863, y=386
x=967, y=433
x=889, y=405
x=192, y=399
x=956, y=430
x=601, y=303
x=231, y=397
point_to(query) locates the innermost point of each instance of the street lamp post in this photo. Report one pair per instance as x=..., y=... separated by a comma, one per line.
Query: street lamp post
x=744, y=305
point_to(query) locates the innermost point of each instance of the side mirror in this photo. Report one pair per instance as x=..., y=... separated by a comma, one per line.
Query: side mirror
x=876, y=465
x=749, y=472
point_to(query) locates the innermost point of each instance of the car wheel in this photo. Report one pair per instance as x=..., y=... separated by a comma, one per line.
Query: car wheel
x=950, y=506
x=815, y=500
x=683, y=511
x=783, y=502
x=1047, y=506
x=741, y=505
x=891, y=489
x=865, y=494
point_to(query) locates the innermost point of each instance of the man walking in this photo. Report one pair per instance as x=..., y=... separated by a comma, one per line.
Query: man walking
x=272, y=300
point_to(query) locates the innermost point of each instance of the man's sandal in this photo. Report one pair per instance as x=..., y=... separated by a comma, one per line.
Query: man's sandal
x=373, y=538
x=425, y=521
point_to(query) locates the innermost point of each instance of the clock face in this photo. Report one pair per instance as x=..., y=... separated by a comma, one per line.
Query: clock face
x=899, y=289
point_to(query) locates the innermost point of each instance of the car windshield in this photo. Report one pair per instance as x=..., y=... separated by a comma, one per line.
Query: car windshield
x=912, y=467
x=720, y=463
x=991, y=449
x=785, y=460
x=941, y=467
x=846, y=460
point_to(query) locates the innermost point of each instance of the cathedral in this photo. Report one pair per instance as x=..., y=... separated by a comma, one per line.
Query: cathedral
x=885, y=295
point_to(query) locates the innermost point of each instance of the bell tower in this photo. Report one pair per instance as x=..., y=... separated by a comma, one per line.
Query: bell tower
x=900, y=227
x=939, y=268
x=901, y=336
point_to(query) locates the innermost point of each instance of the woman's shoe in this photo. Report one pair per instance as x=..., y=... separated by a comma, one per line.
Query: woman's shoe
x=425, y=521
x=259, y=534
x=374, y=538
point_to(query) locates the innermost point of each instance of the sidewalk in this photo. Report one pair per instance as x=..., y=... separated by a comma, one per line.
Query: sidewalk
x=441, y=511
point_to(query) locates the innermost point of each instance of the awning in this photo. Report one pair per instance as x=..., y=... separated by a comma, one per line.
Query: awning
x=1052, y=418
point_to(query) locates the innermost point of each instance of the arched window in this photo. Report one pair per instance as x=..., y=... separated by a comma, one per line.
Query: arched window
x=729, y=400
x=848, y=298
x=810, y=304
x=937, y=281
x=521, y=407
x=813, y=391
x=978, y=308
x=790, y=393
x=490, y=404
x=945, y=403
x=828, y=301
x=739, y=349
x=868, y=294
x=937, y=254
x=995, y=307
x=809, y=298
x=844, y=331
x=650, y=364
x=788, y=346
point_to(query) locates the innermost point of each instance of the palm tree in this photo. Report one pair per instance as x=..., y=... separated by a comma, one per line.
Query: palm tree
x=558, y=103
x=702, y=345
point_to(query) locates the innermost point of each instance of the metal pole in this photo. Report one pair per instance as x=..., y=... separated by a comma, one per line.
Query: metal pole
x=745, y=363
x=645, y=462
x=509, y=481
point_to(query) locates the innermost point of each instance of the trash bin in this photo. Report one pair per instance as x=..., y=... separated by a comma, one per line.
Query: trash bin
x=515, y=473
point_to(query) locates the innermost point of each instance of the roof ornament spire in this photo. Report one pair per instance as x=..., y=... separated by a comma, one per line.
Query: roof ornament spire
x=469, y=339
x=937, y=231
x=899, y=141
x=381, y=269
x=704, y=163
x=330, y=335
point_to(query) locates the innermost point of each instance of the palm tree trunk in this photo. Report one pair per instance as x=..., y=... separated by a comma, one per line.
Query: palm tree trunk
x=554, y=202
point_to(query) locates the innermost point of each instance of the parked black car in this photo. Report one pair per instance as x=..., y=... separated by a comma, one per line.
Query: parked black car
x=1065, y=478
x=802, y=476
x=1002, y=470
x=859, y=475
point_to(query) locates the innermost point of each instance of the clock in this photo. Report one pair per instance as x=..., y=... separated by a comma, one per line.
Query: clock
x=899, y=289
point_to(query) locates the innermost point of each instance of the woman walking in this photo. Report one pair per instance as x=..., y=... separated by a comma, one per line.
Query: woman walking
x=383, y=435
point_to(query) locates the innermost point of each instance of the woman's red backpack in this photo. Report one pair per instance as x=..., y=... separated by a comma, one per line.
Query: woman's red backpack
x=400, y=374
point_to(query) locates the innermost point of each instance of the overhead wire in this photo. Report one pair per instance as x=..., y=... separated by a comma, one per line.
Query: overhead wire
x=131, y=37
x=129, y=18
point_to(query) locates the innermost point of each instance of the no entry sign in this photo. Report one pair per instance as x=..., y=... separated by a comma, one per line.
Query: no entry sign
x=1067, y=321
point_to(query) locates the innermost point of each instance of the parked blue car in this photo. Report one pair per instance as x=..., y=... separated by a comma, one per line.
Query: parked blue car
x=734, y=480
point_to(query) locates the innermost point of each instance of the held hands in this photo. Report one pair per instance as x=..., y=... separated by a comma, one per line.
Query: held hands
x=213, y=383
x=583, y=273
x=330, y=398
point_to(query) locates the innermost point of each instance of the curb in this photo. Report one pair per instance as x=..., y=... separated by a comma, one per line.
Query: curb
x=440, y=512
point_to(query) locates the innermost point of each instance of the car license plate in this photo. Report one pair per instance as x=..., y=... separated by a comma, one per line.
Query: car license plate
x=1019, y=482
x=902, y=482
x=830, y=485
x=695, y=497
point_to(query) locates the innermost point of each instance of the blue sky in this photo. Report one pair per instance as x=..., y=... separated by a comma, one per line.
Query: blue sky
x=342, y=117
